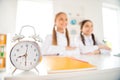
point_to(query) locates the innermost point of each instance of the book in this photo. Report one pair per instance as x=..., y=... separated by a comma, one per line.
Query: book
x=2, y=51
x=63, y=64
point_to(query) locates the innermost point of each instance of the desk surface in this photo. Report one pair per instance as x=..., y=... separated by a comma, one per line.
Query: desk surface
x=107, y=64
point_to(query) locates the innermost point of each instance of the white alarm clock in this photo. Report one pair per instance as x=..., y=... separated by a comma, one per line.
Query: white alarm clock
x=25, y=55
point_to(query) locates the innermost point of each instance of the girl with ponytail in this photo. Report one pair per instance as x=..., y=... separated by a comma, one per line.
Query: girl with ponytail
x=88, y=42
x=59, y=42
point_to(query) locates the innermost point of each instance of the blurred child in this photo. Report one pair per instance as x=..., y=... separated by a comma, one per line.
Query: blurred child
x=89, y=44
x=59, y=42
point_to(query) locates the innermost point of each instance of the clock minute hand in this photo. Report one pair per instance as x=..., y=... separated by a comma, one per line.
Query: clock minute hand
x=25, y=59
x=26, y=56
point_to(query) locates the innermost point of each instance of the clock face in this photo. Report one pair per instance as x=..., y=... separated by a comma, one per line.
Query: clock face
x=25, y=55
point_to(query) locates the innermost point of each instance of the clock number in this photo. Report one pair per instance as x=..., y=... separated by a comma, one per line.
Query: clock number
x=17, y=50
x=34, y=59
x=26, y=45
x=16, y=60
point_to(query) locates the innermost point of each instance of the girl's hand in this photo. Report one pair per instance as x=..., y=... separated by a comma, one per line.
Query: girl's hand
x=93, y=53
x=96, y=52
x=89, y=53
x=104, y=47
x=70, y=48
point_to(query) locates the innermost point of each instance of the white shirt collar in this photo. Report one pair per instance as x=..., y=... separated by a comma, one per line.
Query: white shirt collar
x=61, y=39
x=59, y=33
x=87, y=36
x=88, y=40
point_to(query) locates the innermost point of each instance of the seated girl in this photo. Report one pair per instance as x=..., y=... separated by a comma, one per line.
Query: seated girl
x=59, y=42
x=89, y=44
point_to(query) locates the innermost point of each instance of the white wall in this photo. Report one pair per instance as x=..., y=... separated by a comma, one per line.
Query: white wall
x=7, y=16
x=88, y=9
x=113, y=2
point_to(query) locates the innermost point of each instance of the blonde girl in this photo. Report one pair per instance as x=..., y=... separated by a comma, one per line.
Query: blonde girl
x=59, y=42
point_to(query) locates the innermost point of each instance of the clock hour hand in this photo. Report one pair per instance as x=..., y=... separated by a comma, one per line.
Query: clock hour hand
x=25, y=55
x=21, y=56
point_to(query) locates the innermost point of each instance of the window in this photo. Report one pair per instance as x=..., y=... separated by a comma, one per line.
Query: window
x=37, y=13
x=111, y=26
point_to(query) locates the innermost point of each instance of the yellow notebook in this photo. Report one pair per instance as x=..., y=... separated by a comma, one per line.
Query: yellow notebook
x=59, y=63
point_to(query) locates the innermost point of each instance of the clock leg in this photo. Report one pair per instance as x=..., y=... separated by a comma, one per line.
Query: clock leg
x=36, y=70
x=14, y=70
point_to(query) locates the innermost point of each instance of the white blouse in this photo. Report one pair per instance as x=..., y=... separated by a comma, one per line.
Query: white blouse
x=49, y=49
x=89, y=47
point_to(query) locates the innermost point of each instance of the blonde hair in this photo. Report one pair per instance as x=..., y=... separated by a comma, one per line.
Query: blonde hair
x=54, y=36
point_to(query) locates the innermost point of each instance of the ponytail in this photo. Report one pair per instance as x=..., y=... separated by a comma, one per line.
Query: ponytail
x=93, y=38
x=67, y=37
x=54, y=37
x=82, y=38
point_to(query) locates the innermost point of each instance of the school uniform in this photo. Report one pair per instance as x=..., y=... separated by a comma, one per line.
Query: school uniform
x=60, y=48
x=89, y=47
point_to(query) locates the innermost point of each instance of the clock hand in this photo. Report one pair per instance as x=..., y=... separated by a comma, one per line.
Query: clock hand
x=26, y=56
x=25, y=60
x=21, y=56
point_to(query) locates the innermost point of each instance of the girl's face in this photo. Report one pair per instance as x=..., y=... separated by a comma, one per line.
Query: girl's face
x=87, y=28
x=61, y=21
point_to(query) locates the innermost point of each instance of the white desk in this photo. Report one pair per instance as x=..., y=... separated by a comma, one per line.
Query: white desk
x=108, y=68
